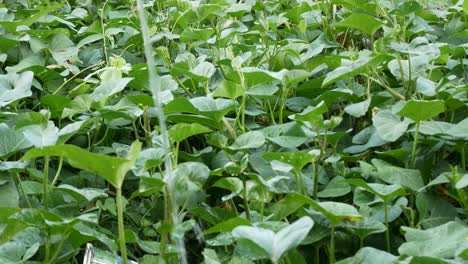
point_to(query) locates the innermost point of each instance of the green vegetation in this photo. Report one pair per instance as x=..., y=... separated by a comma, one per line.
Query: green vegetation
x=237, y=132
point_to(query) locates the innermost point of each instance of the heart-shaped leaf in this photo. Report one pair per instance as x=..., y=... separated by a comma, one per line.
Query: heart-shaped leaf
x=276, y=244
x=112, y=169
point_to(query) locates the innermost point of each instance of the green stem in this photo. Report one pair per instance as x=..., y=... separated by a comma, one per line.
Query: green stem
x=57, y=174
x=387, y=231
x=415, y=143
x=246, y=203
x=463, y=157
x=20, y=183
x=120, y=209
x=332, y=245
x=45, y=183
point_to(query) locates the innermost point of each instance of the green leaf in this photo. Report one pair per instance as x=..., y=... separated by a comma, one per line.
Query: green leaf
x=227, y=226
x=112, y=169
x=182, y=131
x=335, y=188
x=335, y=212
x=389, y=126
x=255, y=76
x=215, y=108
x=395, y=175
x=190, y=178
x=41, y=136
x=85, y=193
x=441, y=241
x=276, y=244
x=109, y=88
x=363, y=22
x=9, y=196
x=349, y=68
x=419, y=110
x=11, y=140
x=385, y=192
x=459, y=130
x=296, y=159
x=365, y=139
x=248, y=140
x=369, y=255
x=426, y=87
x=229, y=90
x=15, y=86
x=358, y=109
x=195, y=34
x=11, y=26
x=312, y=114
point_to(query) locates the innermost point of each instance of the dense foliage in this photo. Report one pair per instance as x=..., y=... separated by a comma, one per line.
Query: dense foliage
x=299, y=131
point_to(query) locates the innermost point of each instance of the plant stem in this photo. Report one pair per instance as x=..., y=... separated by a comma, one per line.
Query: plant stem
x=45, y=183
x=22, y=190
x=244, y=193
x=332, y=244
x=120, y=209
x=57, y=174
x=387, y=231
x=415, y=143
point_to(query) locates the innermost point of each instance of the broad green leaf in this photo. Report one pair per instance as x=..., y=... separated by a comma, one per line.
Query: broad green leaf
x=228, y=225
x=358, y=109
x=390, y=126
x=365, y=227
x=434, y=211
x=425, y=86
x=459, y=130
x=395, y=175
x=349, y=68
x=15, y=86
x=112, y=169
x=312, y=114
x=11, y=140
x=335, y=188
x=216, y=108
x=385, y=192
x=109, y=88
x=465, y=7
x=441, y=241
x=255, y=76
x=85, y=193
x=195, y=34
x=286, y=135
x=248, y=140
x=296, y=159
x=276, y=244
x=229, y=90
x=147, y=159
x=335, y=212
x=419, y=110
x=41, y=136
x=365, y=139
x=12, y=26
x=262, y=90
x=190, y=178
x=369, y=255
x=210, y=257
x=182, y=131
x=149, y=186
x=360, y=21
x=406, y=8
x=203, y=71
x=9, y=196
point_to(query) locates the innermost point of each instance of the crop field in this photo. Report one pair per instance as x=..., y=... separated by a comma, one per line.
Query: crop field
x=234, y=131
